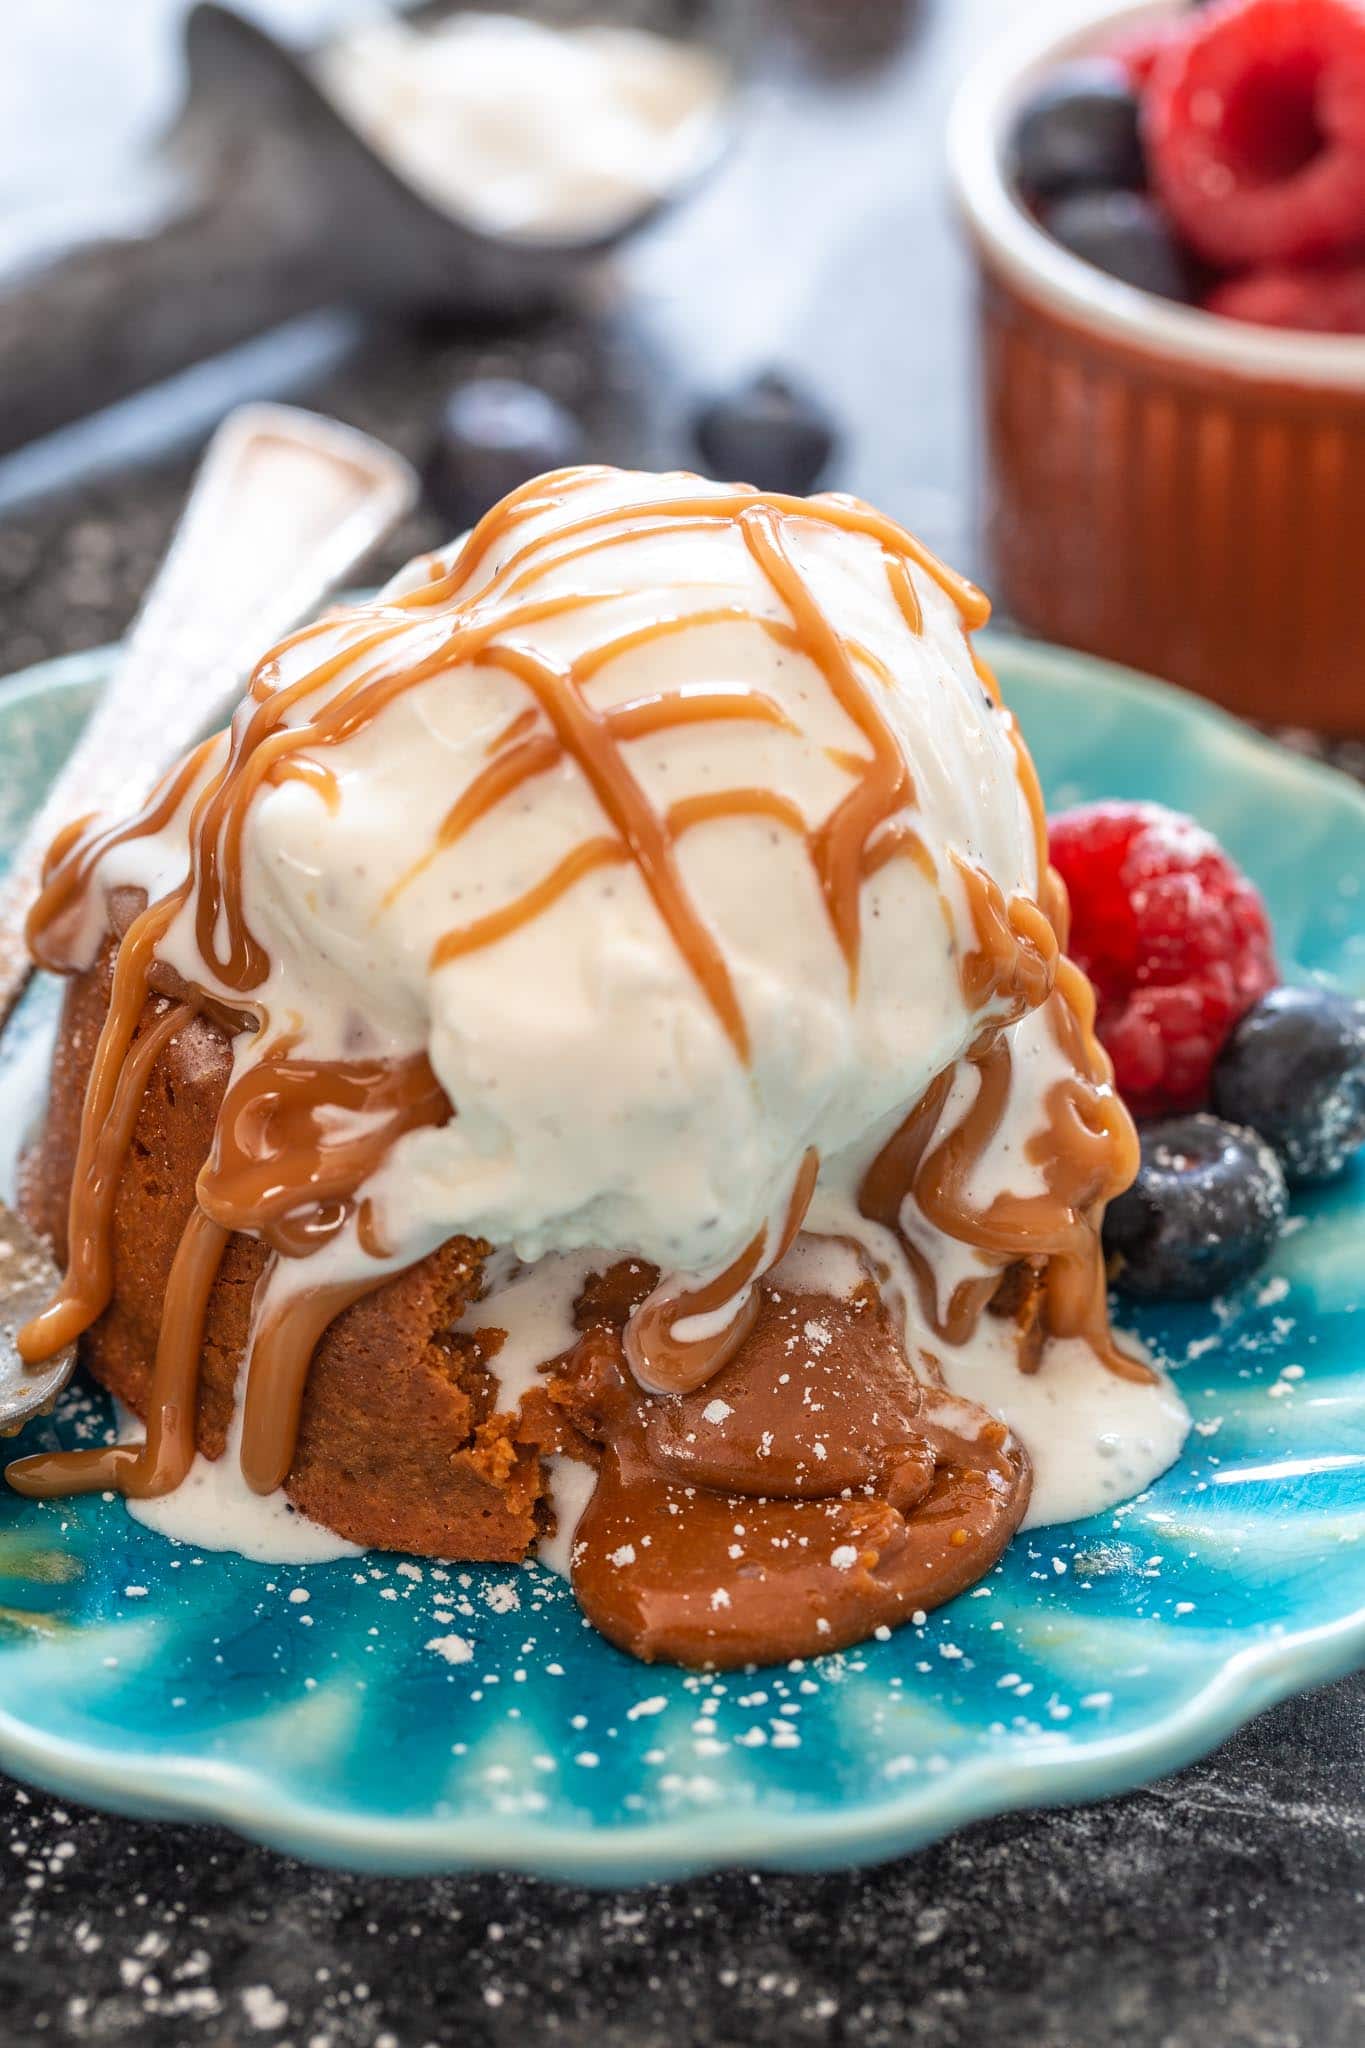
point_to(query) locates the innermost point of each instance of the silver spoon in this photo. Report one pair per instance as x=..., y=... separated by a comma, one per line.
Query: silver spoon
x=283, y=506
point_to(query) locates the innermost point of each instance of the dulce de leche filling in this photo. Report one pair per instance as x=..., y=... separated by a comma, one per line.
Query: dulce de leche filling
x=741, y=1510
x=780, y=1509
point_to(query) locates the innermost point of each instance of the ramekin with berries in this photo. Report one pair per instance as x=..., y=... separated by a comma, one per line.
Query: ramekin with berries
x=1167, y=204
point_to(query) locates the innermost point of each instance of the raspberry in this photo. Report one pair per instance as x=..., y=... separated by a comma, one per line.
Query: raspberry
x=1254, y=123
x=1139, y=49
x=1325, y=299
x=1174, y=937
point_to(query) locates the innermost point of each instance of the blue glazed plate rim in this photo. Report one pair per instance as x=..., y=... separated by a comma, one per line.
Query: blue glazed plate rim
x=203, y=1790
x=200, y=1790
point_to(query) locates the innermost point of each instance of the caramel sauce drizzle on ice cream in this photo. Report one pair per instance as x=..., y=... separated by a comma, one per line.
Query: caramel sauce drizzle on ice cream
x=299, y=1139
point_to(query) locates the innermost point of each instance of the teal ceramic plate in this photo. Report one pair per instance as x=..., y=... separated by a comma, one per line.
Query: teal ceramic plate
x=387, y=1714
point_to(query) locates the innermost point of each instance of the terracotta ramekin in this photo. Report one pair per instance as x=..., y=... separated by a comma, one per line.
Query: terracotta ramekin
x=1179, y=492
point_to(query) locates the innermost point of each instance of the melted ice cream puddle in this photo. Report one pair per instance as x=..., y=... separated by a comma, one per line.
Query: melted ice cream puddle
x=213, y=1508
x=1094, y=1439
x=571, y=1485
x=534, y=1306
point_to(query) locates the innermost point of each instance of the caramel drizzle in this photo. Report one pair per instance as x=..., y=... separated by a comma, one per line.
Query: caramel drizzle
x=118, y=1080
x=639, y=830
x=839, y=847
x=1087, y=1149
x=161, y=1461
x=500, y=924
x=513, y=765
x=78, y=849
x=667, y=1363
x=314, y=775
x=272, y=1140
x=295, y=1138
x=277, y=1374
x=279, y=1168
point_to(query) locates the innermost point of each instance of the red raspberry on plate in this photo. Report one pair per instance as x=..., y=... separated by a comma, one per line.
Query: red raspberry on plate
x=1174, y=937
x=1254, y=125
x=1321, y=299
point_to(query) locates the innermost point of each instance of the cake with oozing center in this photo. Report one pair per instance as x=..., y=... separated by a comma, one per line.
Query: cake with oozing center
x=586, y=1065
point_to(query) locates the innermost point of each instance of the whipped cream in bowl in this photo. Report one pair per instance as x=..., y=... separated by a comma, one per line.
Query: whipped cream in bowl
x=526, y=131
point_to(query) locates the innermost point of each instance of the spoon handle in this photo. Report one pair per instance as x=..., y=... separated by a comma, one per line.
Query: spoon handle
x=284, y=504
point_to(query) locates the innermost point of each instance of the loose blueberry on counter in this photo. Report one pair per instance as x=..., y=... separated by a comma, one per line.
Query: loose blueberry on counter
x=1123, y=234
x=769, y=432
x=1294, y=1069
x=1207, y=1205
x=495, y=433
x=1079, y=132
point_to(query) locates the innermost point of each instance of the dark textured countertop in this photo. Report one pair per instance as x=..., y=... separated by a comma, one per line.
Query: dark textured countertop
x=1222, y=1909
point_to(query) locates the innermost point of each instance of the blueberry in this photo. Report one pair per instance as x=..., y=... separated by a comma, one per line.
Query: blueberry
x=1294, y=1069
x=1124, y=234
x=494, y=434
x=1079, y=132
x=769, y=433
x=1208, y=1203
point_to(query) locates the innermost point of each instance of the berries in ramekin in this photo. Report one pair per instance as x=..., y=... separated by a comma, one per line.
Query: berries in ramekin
x=1140, y=50
x=1214, y=156
x=1174, y=937
x=1255, y=130
x=1206, y=1208
x=1124, y=234
x=1322, y=298
x=1078, y=132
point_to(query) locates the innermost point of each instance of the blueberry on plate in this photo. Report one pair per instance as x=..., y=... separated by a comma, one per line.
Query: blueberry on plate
x=495, y=433
x=1079, y=132
x=1294, y=1069
x=1125, y=235
x=769, y=432
x=1207, y=1205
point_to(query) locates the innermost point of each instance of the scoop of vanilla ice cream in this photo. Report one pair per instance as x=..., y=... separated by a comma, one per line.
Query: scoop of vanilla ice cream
x=598, y=1099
